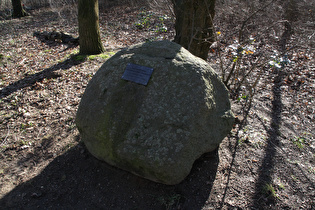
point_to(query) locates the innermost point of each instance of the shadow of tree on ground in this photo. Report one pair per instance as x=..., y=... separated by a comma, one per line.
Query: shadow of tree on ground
x=267, y=166
x=76, y=180
x=38, y=77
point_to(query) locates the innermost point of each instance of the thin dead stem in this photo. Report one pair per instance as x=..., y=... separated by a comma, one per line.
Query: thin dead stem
x=251, y=16
x=253, y=67
x=214, y=34
x=192, y=32
x=5, y=138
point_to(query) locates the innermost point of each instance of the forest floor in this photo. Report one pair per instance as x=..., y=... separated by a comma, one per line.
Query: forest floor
x=267, y=161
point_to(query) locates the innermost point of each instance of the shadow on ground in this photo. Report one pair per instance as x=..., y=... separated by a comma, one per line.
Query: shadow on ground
x=76, y=180
x=30, y=80
x=54, y=38
x=268, y=163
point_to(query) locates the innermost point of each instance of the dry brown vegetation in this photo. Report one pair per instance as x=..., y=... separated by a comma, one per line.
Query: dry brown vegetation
x=266, y=162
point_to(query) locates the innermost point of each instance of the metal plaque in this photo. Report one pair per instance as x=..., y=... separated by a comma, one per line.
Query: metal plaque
x=138, y=74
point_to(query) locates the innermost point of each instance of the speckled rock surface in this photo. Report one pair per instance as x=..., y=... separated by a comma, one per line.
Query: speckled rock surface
x=155, y=131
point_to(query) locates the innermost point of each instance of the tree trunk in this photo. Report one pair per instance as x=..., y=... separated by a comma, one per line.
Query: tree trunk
x=18, y=10
x=193, y=25
x=89, y=30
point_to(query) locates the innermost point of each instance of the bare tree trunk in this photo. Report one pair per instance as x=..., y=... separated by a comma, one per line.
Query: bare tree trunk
x=18, y=10
x=89, y=30
x=193, y=26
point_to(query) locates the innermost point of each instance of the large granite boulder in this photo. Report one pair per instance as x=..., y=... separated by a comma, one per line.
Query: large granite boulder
x=155, y=131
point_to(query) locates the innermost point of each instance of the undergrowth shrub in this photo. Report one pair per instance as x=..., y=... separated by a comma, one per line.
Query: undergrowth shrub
x=253, y=37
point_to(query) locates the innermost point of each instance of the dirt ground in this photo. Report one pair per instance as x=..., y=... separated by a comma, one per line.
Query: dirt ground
x=267, y=161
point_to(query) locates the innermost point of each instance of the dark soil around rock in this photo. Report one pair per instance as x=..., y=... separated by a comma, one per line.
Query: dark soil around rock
x=267, y=161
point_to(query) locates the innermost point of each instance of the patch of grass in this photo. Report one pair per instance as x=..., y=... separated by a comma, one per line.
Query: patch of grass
x=281, y=186
x=93, y=57
x=68, y=146
x=269, y=190
x=27, y=125
x=150, y=20
x=47, y=50
x=4, y=58
x=105, y=55
x=22, y=143
x=71, y=127
x=76, y=51
x=90, y=75
x=303, y=140
x=299, y=142
x=78, y=57
x=2, y=148
x=242, y=97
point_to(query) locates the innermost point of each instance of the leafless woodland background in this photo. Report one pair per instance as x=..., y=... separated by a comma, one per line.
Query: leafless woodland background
x=264, y=51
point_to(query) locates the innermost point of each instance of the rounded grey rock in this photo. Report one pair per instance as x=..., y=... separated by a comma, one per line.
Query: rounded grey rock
x=156, y=131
